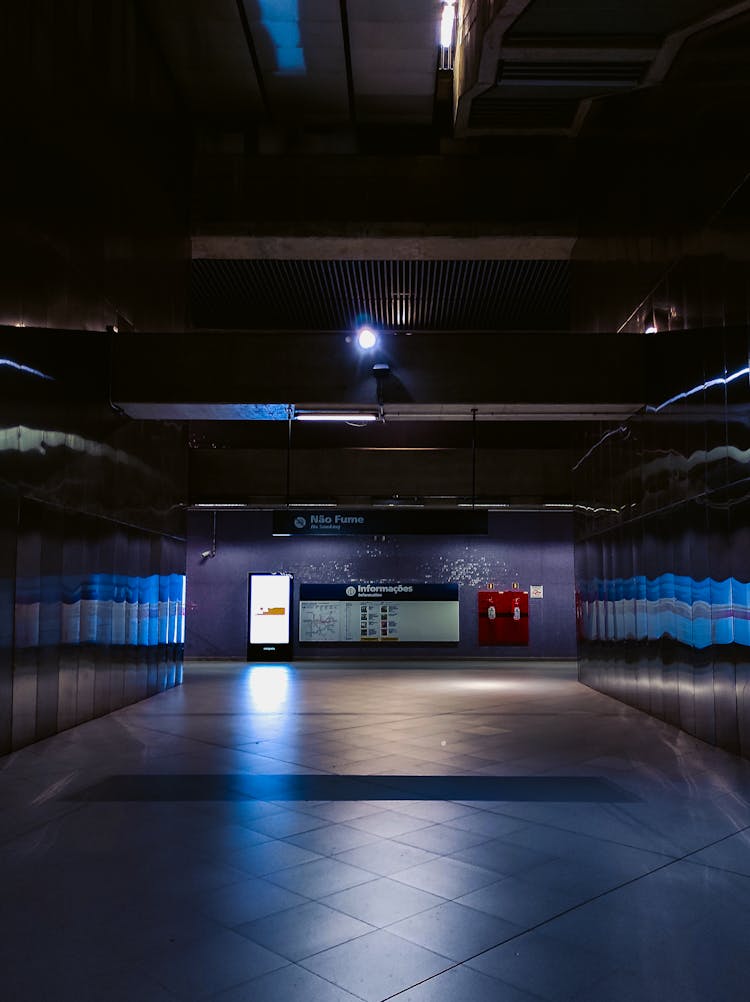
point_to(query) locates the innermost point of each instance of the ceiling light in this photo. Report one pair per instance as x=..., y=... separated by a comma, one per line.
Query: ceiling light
x=366, y=338
x=446, y=24
x=313, y=504
x=350, y=416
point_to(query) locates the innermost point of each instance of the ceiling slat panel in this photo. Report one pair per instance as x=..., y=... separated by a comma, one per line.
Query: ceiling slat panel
x=420, y=295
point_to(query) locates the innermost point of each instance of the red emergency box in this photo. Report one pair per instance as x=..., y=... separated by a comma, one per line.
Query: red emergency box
x=503, y=618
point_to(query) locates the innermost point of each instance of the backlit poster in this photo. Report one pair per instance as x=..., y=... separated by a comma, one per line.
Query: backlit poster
x=270, y=602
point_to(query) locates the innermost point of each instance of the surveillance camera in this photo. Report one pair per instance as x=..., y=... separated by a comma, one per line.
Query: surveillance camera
x=206, y=553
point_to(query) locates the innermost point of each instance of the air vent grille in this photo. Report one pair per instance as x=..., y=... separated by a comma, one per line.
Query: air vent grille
x=564, y=73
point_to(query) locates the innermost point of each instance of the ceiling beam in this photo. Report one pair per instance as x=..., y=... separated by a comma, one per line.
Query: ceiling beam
x=508, y=247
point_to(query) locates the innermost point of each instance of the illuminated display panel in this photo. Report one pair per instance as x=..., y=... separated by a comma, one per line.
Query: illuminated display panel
x=270, y=601
x=379, y=612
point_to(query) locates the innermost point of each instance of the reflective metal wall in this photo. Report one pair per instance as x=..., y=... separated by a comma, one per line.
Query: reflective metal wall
x=92, y=549
x=663, y=553
x=98, y=618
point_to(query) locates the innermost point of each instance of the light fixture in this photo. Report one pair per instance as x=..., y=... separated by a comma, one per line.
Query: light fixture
x=313, y=504
x=353, y=417
x=446, y=24
x=482, y=504
x=651, y=329
x=219, y=504
x=366, y=338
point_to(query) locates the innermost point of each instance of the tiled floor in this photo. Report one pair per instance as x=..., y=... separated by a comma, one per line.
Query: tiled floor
x=455, y=834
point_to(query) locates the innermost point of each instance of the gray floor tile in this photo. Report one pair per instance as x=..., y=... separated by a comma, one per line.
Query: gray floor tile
x=382, y=901
x=320, y=878
x=731, y=853
x=288, y=984
x=450, y=878
x=502, y=856
x=270, y=857
x=442, y=839
x=376, y=966
x=487, y=823
x=388, y=823
x=286, y=823
x=461, y=984
x=303, y=930
x=211, y=965
x=334, y=838
x=455, y=931
x=246, y=900
x=543, y=966
x=385, y=856
x=436, y=810
x=522, y=903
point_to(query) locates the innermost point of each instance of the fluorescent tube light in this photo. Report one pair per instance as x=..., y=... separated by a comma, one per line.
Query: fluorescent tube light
x=446, y=25
x=350, y=416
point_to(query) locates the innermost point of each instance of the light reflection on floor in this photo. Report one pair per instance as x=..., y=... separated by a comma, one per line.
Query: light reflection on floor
x=348, y=832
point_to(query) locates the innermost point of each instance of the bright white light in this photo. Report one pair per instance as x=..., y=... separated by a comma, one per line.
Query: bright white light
x=366, y=338
x=651, y=330
x=269, y=688
x=335, y=416
x=446, y=25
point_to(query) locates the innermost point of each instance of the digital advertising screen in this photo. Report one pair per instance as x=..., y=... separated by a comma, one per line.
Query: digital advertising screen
x=270, y=600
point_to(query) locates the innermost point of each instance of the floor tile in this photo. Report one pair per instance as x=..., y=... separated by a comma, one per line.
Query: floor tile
x=385, y=856
x=442, y=839
x=455, y=931
x=303, y=930
x=382, y=901
x=502, y=856
x=376, y=966
x=270, y=857
x=288, y=984
x=521, y=902
x=286, y=823
x=211, y=965
x=543, y=966
x=245, y=901
x=731, y=854
x=388, y=823
x=332, y=839
x=450, y=878
x=462, y=984
x=320, y=878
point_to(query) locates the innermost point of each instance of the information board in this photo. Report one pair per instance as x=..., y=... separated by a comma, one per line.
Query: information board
x=377, y=612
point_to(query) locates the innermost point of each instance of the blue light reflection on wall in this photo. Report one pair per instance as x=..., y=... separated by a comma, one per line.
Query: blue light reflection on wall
x=695, y=613
x=9, y=363
x=128, y=610
x=280, y=19
x=268, y=687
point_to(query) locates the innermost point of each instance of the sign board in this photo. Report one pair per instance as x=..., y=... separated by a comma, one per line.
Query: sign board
x=376, y=523
x=378, y=612
x=536, y=591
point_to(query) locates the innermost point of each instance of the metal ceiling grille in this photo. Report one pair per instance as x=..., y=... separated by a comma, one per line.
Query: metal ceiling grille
x=399, y=295
x=570, y=73
x=494, y=110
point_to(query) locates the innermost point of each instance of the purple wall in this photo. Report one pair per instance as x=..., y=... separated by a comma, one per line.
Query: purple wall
x=528, y=547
